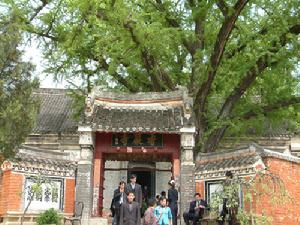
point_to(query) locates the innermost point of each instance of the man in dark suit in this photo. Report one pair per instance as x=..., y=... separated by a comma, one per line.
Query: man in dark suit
x=130, y=213
x=173, y=199
x=135, y=188
x=196, y=210
x=118, y=199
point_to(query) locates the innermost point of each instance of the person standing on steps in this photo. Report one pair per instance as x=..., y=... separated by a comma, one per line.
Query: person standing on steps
x=118, y=199
x=163, y=213
x=173, y=199
x=130, y=212
x=135, y=188
x=149, y=217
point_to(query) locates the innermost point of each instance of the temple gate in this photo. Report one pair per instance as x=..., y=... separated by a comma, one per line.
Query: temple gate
x=142, y=128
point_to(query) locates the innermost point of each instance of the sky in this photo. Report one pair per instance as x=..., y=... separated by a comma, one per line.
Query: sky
x=34, y=55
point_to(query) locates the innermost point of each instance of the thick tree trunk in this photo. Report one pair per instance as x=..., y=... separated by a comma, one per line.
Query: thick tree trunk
x=201, y=126
x=212, y=142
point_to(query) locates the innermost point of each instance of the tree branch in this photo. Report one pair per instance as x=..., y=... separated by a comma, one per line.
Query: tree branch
x=293, y=30
x=38, y=9
x=243, y=46
x=223, y=7
x=147, y=59
x=198, y=44
x=104, y=65
x=159, y=5
x=151, y=65
x=214, y=138
x=223, y=36
x=271, y=108
x=191, y=47
x=166, y=79
x=261, y=64
x=191, y=3
x=219, y=47
x=41, y=34
x=173, y=23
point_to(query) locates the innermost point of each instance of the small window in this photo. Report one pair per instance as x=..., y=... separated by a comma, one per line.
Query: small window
x=50, y=195
x=212, y=187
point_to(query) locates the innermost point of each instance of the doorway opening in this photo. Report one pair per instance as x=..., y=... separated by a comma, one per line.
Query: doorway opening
x=146, y=178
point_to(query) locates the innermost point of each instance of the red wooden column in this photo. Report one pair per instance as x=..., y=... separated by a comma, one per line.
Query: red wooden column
x=98, y=184
x=176, y=167
x=101, y=187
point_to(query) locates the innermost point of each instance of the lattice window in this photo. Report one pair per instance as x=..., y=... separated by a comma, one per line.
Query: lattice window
x=212, y=187
x=55, y=193
x=50, y=195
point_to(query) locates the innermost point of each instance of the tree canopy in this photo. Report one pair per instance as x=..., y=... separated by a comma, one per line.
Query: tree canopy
x=239, y=59
x=17, y=105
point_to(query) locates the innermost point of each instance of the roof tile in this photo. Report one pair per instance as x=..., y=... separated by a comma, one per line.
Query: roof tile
x=55, y=115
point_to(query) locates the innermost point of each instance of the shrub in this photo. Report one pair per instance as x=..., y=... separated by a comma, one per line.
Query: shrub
x=50, y=216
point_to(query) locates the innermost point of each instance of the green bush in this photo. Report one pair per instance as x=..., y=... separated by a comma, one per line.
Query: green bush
x=50, y=216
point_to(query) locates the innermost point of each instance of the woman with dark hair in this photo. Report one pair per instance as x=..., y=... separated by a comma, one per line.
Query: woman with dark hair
x=118, y=199
x=149, y=218
x=173, y=199
x=163, y=213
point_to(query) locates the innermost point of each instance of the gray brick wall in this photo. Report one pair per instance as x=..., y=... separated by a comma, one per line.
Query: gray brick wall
x=187, y=187
x=84, y=188
x=112, y=179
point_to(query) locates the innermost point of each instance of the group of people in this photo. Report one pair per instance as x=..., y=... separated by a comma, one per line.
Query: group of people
x=127, y=202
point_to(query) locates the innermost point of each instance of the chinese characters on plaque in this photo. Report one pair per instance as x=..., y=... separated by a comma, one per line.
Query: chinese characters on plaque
x=137, y=140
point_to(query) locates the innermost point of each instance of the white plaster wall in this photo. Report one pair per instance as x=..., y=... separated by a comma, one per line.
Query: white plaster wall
x=112, y=179
x=162, y=177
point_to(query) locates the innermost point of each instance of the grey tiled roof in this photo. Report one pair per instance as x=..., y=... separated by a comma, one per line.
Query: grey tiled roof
x=241, y=159
x=228, y=163
x=144, y=96
x=55, y=115
x=44, y=157
x=138, y=112
x=226, y=160
x=119, y=120
x=42, y=162
x=271, y=130
x=279, y=155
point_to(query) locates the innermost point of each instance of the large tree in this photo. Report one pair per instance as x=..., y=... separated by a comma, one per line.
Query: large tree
x=17, y=105
x=239, y=59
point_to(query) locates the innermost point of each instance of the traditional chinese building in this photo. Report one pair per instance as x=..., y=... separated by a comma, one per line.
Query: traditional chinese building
x=248, y=163
x=149, y=134
x=51, y=152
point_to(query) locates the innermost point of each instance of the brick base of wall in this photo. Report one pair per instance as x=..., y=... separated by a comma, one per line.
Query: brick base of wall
x=286, y=211
x=84, y=188
x=12, y=185
x=187, y=187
